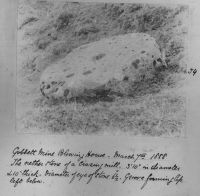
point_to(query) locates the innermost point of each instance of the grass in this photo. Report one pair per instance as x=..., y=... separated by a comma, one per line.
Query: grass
x=151, y=115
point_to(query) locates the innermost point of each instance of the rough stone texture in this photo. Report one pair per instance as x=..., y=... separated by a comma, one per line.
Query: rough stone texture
x=89, y=68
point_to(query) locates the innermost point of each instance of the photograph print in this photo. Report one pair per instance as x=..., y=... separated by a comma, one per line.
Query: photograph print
x=89, y=68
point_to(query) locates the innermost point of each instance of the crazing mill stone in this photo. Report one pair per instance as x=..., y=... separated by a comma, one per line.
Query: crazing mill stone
x=90, y=67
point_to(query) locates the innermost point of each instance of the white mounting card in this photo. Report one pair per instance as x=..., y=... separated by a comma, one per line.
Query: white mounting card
x=99, y=97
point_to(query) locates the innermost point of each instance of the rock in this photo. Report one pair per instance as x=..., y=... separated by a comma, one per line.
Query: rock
x=89, y=68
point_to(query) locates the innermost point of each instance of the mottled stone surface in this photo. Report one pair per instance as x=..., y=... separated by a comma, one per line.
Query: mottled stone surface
x=88, y=68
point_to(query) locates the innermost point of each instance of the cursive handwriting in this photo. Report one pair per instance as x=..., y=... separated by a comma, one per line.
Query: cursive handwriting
x=38, y=166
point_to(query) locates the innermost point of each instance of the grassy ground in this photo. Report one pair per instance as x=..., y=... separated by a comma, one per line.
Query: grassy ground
x=151, y=115
x=48, y=31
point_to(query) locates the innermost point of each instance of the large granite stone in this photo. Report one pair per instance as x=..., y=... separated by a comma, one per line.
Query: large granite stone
x=89, y=68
